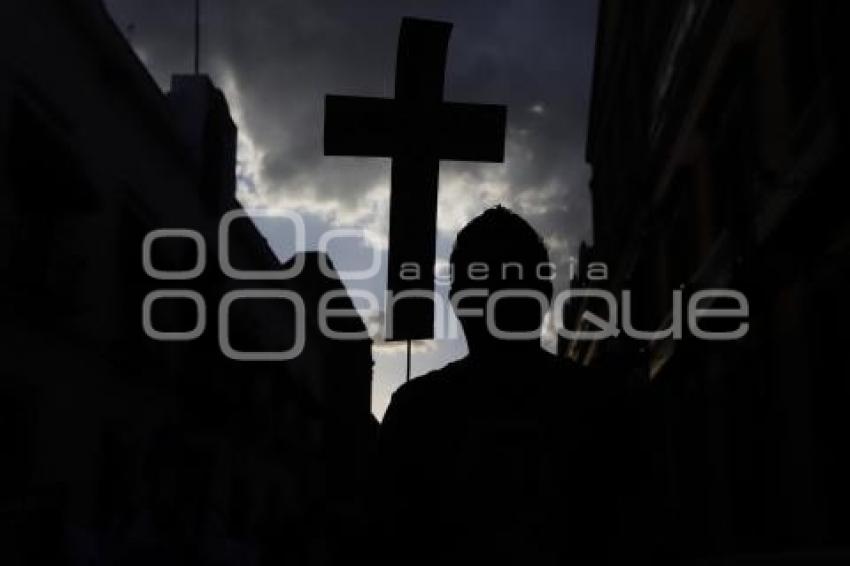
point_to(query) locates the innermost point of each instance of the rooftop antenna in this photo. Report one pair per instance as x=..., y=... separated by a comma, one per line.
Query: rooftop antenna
x=197, y=36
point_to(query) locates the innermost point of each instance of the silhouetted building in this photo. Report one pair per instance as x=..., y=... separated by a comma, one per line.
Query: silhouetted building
x=119, y=448
x=717, y=138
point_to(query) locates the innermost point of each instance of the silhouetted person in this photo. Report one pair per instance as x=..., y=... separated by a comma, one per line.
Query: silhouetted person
x=490, y=458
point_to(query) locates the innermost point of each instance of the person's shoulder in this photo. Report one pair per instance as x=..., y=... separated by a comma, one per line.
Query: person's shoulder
x=564, y=375
x=431, y=386
x=424, y=400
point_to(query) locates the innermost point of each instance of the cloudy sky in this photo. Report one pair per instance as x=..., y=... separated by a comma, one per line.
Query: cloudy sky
x=277, y=59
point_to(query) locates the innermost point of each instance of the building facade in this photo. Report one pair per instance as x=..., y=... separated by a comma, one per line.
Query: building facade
x=717, y=139
x=120, y=448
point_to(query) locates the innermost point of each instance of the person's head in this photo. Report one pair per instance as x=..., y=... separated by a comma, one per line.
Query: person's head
x=499, y=252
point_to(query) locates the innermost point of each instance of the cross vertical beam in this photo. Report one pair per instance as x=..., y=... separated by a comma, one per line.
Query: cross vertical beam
x=416, y=130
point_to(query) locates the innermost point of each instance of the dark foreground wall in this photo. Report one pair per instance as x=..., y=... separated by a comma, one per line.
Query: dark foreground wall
x=116, y=448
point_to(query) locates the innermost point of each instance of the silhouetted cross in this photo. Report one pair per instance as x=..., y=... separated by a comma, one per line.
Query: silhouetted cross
x=417, y=129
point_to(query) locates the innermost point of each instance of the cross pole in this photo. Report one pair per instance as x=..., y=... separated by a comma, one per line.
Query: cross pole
x=197, y=36
x=416, y=129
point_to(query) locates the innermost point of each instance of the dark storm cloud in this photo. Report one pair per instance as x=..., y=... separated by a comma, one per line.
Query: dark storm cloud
x=283, y=57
